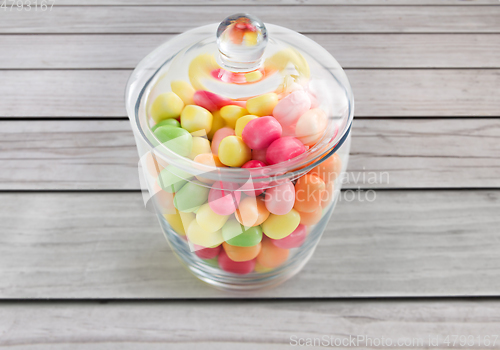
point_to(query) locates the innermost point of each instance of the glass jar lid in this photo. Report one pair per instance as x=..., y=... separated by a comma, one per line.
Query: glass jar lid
x=234, y=62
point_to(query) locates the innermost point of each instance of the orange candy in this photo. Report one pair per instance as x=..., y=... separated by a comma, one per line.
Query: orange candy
x=271, y=256
x=210, y=160
x=163, y=199
x=252, y=211
x=152, y=165
x=241, y=253
x=327, y=195
x=311, y=218
x=329, y=170
x=308, y=191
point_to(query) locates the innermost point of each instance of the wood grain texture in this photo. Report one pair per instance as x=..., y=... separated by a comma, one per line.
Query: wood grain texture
x=106, y=245
x=398, y=153
x=244, y=324
x=83, y=51
x=378, y=93
x=277, y=2
x=312, y=19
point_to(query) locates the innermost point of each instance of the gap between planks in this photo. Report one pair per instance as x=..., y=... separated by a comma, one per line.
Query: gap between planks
x=101, y=155
x=386, y=93
x=308, y=19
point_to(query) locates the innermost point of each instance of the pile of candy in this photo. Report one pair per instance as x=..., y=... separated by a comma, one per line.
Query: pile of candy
x=241, y=229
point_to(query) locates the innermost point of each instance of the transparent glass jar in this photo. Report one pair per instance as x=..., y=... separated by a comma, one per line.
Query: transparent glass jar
x=236, y=227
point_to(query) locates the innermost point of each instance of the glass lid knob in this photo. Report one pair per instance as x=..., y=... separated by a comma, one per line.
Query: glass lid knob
x=241, y=39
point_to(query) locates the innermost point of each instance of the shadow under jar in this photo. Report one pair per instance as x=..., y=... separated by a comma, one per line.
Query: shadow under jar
x=243, y=130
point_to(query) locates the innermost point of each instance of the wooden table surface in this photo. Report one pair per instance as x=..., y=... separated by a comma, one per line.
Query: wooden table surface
x=84, y=266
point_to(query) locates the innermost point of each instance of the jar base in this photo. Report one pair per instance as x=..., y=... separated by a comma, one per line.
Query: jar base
x=226, y=281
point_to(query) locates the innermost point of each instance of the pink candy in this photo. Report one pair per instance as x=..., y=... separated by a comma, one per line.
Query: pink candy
x=284, y=149
x=218, y=136
x=223, y=199
x=314, y=100
x=261, y=132
x=207, y=253
x=254, y=189
x=210, y=101
x=259, y=154
x=240, y=268
x=213, y=102
x=293, y=240
x=289, y=110
x=280, y=199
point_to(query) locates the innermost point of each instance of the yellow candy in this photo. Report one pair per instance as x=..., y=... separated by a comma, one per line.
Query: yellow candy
x=231, y=114
x=234, y=152
x=280, y=60
x=253, y=76
x=199, y=236
x=184, y=90
x=200, y=68
x=208, y=220
x=280, y=226
x=261, y=269
x=179, y=221
x=242, y=122
x=187, y=219
x=194, y=118
x=262, y=105
x=165, y=106
x=217, y=123
x=200, y=146
x=250, y=38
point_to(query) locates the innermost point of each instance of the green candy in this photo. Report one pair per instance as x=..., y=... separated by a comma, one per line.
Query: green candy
x=211, y=262
x=178, y=140
x=238, y=235
x=172, y=179
x=191, y=196
x=167, y=122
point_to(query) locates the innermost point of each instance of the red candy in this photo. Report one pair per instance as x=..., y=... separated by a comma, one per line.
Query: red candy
x=223, y=199
x=207, y=253
x=253, y=164
x=284, y=149
x=261, y=132
x=293, y=240
x=241, y=268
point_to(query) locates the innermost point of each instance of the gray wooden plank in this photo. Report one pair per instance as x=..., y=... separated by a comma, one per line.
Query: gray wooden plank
x=378, y=93
x=246, y=325
x=82, y=155
x=63, y=93
x=351, y=50
x=277, y=2
x=311, y=19
x=106, y=245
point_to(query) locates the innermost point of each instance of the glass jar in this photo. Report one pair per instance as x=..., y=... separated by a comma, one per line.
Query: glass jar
x=245, y=190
